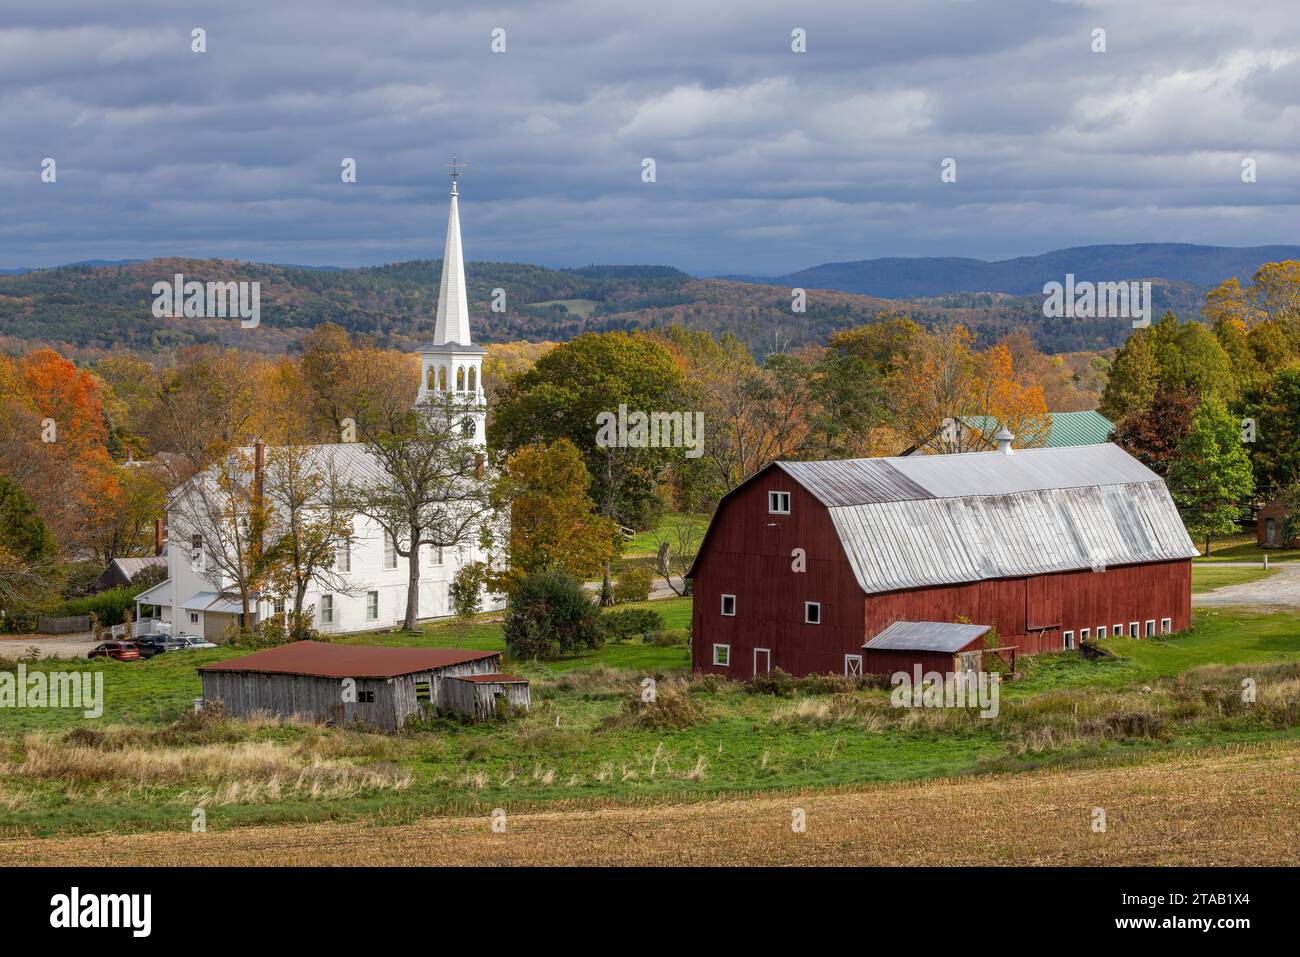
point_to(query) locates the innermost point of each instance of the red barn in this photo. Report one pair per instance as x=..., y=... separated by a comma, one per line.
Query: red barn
x=806, y=563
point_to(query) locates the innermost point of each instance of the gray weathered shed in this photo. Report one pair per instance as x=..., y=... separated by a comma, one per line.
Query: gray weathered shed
x=347, y=684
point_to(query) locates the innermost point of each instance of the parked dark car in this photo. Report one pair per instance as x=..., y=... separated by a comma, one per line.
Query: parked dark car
x=120, y=650
x=151, y=645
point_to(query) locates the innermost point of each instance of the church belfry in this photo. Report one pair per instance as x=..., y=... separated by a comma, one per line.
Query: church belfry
x=451, y=362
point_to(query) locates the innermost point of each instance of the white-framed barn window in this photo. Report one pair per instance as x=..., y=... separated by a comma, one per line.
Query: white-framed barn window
x=1134, y=630
x=722, y=655
x=1101, y=631
x=852, y=665
x=1084, y=634
x=1166, y=626
x=1150, y=630
x=1117, y=630
x=372, y=606
x=327, y=609
x=390, y=551
x=812, y=613
x=729, y=605
x=778, y=503
x=1068, y=639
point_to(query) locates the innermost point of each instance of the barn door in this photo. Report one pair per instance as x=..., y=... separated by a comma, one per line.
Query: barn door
x=762, y=660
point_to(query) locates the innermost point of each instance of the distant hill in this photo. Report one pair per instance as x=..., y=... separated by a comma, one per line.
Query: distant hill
x=87, y=310
x=895, y=278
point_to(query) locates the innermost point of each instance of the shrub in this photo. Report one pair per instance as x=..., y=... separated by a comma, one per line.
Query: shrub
x=671, y=708
x=633, y=585
x=550, y=614
x=110, y=606
x=668, y=637
x=777, y=682
x=466, y=590
x=629, y=623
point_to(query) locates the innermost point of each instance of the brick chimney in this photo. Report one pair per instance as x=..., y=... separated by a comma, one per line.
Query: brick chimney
x=157, y=536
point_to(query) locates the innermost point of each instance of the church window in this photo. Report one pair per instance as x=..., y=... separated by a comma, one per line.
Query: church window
x=472, y=379
x=442, y=378
x=460, y=378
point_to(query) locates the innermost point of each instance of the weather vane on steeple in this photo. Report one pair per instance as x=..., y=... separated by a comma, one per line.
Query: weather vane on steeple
x=455, y=171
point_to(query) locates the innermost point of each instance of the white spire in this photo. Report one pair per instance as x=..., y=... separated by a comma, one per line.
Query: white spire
x=452, y=324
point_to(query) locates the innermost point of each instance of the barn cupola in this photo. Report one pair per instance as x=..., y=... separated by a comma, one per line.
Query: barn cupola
x=1004, y=438
x=450, y=362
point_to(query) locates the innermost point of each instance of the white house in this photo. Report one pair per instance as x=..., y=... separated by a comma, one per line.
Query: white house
x=374, y=576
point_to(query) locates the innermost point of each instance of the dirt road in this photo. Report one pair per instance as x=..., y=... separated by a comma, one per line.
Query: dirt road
x=50, y=646
x=1211, y=808
x=1278, y=592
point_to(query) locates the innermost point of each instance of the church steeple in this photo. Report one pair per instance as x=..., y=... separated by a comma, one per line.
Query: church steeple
x=451, y=363
x=452, y=323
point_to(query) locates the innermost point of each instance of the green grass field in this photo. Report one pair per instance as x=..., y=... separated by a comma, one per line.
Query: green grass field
x=146, y=763
x=1242, y=548
x=576, y=307
x=1207, y=577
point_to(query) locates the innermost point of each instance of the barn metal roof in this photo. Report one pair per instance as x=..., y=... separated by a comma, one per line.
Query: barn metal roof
x=321, y=659
x=926, y=636
x=945, y=519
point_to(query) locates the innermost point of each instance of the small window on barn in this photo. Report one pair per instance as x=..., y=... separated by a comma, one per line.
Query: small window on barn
x=424, y=690
x=1069, y=640
x=327, y=609
x=1151, y=628
x=812, y=613
x=1166, y=626
x=729, y=605
x=372, y=606
x=778, y=503
x=1133, y=630
x=852, y=664
x=1117, y=630
x=1085, y=634
x=365, y=697
x=722, y=655
x=1101, y=631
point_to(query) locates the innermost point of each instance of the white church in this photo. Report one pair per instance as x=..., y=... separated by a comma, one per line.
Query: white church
x=195, y=600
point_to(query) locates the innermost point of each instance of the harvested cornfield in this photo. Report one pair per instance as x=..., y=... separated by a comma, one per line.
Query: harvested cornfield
x=1214, y=807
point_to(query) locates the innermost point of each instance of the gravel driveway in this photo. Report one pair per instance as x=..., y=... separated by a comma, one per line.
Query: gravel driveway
x=51, y=646
x=1278, y=592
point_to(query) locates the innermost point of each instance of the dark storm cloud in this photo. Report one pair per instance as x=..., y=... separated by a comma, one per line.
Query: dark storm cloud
x=767, y=160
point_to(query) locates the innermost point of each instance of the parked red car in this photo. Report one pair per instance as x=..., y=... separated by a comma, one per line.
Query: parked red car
x=120, y=650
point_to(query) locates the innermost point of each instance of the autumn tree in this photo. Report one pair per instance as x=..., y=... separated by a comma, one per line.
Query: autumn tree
x=568, y=394
x=1154, y=435
x=553, y=523
x=429, y=487
x=309, y=527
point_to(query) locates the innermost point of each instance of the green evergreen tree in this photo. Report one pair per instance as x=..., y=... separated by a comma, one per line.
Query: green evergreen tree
x=1211, y=483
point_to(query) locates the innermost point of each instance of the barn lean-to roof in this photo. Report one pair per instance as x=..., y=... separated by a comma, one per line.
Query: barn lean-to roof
x=921, y=521
x=943, y=636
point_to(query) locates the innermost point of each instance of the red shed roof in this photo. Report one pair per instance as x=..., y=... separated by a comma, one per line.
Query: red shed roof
x=324, y=660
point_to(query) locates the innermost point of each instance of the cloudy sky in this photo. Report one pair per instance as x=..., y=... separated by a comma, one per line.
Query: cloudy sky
x=766, y=160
